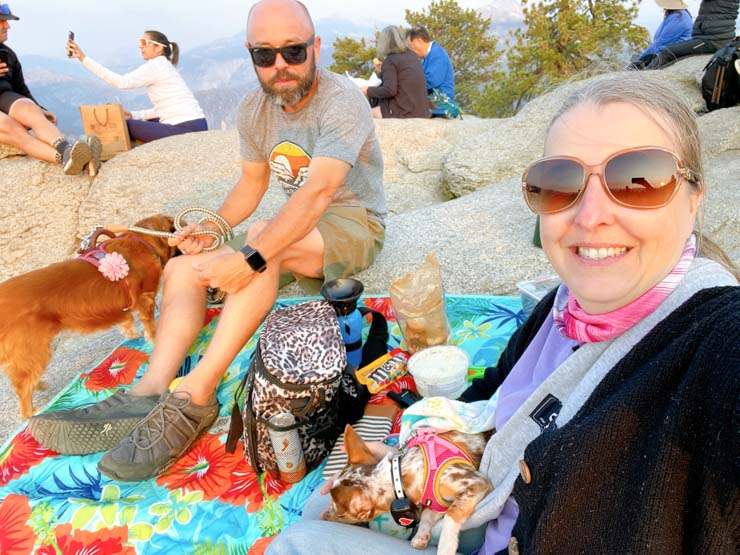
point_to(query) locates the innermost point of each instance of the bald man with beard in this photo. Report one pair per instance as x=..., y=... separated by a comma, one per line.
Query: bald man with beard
x=313, y=129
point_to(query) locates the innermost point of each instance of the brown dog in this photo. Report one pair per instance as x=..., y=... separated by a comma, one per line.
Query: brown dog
x=364, y=488
x=73, y=295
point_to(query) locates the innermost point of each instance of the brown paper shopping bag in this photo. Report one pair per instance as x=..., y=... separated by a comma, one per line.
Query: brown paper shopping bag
x=107, y=122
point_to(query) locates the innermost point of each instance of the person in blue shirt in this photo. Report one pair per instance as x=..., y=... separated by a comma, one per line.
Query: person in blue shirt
x=714, y=28
x=676, y=27
x=435, y=61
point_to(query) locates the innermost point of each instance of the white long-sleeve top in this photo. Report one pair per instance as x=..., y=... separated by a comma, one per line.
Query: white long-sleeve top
x=172, y=99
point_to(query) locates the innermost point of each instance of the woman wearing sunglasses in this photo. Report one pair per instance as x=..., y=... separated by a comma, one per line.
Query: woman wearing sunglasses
x=175, y=110
x=616, y=402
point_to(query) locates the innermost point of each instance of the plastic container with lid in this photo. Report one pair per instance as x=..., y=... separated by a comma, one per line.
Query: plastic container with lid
x=533, y=291
x=440, y=371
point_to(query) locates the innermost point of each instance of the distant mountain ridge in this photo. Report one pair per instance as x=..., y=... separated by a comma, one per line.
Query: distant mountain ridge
x=219, y=73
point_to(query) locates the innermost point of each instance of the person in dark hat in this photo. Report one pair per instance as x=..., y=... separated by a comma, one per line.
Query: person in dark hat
x=714, y=28
x=20, y=112
x=675, y=27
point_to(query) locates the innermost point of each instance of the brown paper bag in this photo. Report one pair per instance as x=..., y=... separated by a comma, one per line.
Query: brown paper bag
x=107, y=122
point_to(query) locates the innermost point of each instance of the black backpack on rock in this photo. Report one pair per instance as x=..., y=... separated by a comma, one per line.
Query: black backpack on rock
x=720, y=84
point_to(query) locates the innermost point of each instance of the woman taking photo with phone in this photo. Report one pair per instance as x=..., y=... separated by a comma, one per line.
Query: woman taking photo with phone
x=175, y=110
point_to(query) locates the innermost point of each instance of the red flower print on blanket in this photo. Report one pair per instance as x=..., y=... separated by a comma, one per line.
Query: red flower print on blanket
x=22, y=453
x=211, y=313
x=118, y=369
x=245, y=486
x=259, y=547
x=207, y=467
x=111, y=541
x=382, y=305
x=16, y=537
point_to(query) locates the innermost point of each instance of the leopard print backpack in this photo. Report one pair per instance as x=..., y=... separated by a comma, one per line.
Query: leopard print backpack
x=297, y=368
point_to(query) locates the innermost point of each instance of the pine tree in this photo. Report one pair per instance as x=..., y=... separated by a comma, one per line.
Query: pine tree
x=561, y=40
x=354, y=56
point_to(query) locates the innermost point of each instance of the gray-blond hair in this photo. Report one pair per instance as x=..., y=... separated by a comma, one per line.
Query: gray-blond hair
x=671, y=113
x=391, y=41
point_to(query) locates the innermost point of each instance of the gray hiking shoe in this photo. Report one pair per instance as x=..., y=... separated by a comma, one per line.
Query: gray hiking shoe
x=75, y=157
x=93, y=428
x=160, y=439
x=96, y=151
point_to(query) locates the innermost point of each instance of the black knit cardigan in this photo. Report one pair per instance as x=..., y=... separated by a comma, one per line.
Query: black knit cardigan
x=651, y=463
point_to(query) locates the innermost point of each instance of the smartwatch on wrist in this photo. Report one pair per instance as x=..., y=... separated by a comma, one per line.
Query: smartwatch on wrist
x=253, y=258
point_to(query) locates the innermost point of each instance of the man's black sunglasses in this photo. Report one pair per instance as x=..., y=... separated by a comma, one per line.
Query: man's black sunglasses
x=293, y=54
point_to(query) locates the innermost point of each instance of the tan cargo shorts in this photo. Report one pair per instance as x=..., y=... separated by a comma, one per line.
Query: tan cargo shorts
x=352, y=241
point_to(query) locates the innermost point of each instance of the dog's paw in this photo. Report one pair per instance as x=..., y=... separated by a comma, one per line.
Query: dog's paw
x=447, y=547
x=421, y=540
x=129, y=332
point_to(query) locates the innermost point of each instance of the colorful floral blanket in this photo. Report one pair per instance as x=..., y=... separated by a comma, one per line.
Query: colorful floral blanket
x=210, y=502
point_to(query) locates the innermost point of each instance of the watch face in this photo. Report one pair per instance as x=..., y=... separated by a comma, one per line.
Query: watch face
x=254, y=258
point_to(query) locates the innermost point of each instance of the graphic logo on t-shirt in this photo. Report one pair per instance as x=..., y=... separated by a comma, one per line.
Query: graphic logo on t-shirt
x=547, y=412
x=289, y=163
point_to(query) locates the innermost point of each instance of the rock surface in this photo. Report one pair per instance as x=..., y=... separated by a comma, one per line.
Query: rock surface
x=9, y=150
x=483, y=238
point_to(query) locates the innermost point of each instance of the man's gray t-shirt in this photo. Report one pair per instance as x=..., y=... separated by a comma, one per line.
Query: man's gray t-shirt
x=336, y=123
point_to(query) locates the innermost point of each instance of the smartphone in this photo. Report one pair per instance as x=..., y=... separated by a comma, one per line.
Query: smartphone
x=406, y=398
x=70, y=36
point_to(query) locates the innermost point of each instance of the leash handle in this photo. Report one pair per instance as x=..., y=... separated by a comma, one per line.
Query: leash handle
x=221, y=235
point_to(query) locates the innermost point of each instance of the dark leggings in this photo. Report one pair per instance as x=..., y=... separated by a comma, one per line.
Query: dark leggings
x=151, y=130
x=682, y=49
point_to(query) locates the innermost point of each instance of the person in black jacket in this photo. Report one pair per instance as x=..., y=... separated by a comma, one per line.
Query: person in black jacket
x=622, y=387
x=714, y=28
x=403, y=93
x=616, y=403
x=20, y=112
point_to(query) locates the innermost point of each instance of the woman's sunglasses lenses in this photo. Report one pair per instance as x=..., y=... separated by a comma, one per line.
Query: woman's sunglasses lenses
x=293, y=54
x=145, y=42
x=643, y=178
x=551, y=185
x=638, y=179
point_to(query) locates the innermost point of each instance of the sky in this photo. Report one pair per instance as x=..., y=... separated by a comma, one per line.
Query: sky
x=104, y=27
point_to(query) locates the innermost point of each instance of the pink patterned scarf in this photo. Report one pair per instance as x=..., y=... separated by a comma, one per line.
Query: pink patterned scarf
x=575, y=323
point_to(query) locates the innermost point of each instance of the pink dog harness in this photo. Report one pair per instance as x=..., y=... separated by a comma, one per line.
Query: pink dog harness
x=438, y=453
x=96, y=254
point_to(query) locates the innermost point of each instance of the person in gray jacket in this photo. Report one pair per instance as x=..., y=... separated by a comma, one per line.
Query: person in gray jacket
x=403, y=92
x=714, y=27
